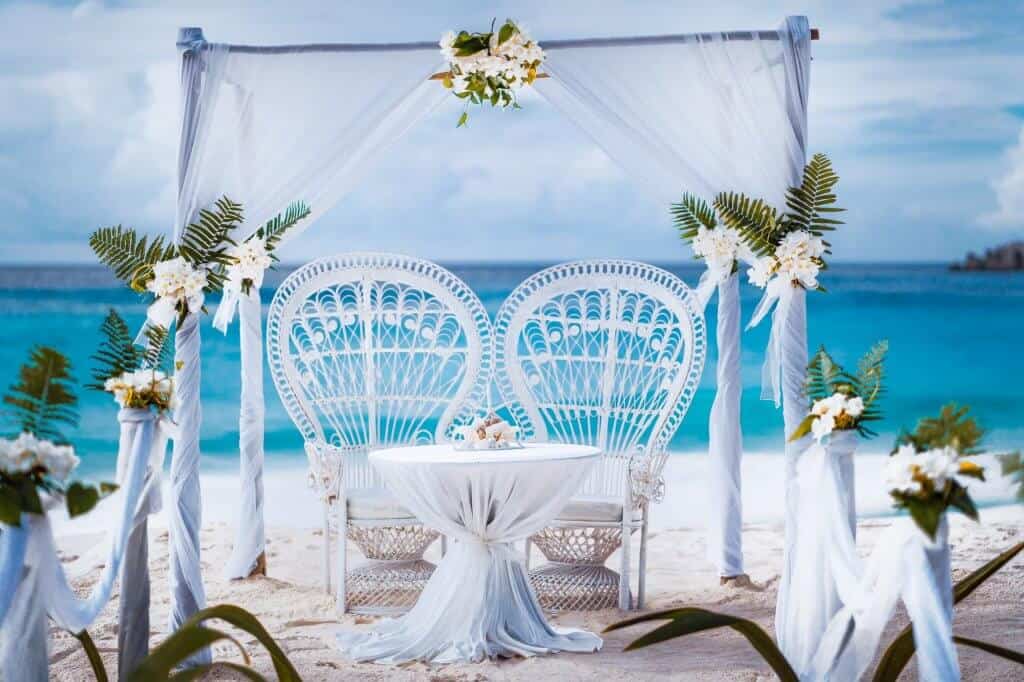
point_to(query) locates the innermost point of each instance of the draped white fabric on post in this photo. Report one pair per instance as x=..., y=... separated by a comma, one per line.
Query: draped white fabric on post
x=479, y=602
x=249, y=535
x=36, y=586
x=904, y=564
x=825, y=503
x=725, y=446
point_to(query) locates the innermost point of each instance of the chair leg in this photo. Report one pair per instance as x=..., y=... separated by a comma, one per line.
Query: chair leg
x=326, y=546
x=342, y=604
x=642, y=570
x=624, y=578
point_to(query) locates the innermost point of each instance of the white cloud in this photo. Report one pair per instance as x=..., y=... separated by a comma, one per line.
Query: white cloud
x=1009, y=190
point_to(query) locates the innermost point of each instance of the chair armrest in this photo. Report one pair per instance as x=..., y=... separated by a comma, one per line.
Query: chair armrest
x=326, y=469
x=645, y=480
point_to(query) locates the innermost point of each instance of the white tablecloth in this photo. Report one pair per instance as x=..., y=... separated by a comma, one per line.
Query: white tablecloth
x=479, y=602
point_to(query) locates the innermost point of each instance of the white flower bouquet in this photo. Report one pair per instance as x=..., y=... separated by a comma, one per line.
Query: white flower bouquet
x=490, y=67
x=143, y=388
x=487, y=433
x=797, y=259
x=841, y=400
x=927, y=470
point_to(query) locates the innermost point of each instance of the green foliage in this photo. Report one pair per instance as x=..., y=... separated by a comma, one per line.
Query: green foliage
x=952, y=428
x=899, y=653
x=204, y=243
x=193, y=636
x=93, y=654
x=758, y=223
x=1013, y=466
x=691, y=214
x=276, y=227
x=807, y=207
x=130, y=256
x=118, y=353
x=826, y=377
x=688, y=620
x=43, y=397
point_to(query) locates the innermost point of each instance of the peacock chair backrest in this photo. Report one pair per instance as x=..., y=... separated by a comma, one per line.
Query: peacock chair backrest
x=601, y=352
x=373, y=350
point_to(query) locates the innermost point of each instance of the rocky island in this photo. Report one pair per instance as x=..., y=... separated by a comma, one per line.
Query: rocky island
x=1006, y=257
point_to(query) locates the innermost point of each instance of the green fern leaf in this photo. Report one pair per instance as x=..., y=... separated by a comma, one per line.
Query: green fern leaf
x=116, y=354
x=951, y=428
x=870, y=375
x=277, y=226
x=205, y=241
x=158, y=353
x=757, y=222
x=813, y=197
x=691, y=214
x=44, y=397
x=127, y=254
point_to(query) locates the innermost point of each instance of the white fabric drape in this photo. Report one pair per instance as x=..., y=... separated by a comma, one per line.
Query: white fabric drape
x=479, y=602
x=250, y=541
x=825, y=506
x=907, y=565
x=36, y=585
x=268, y=127
x=725, y=446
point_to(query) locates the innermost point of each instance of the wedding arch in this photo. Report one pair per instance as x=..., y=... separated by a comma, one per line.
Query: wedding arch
x=270, y=125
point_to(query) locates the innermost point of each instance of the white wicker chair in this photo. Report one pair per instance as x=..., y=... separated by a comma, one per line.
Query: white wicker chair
x=607, y=353
x=370, y=351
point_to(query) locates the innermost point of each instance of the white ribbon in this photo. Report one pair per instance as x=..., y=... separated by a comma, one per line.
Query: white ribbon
x=232, y=294
x=905, y=564
x=163, y=312
x=780, y=291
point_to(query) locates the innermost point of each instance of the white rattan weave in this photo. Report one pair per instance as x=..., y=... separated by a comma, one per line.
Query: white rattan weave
x=370, y=351
x=606, y=353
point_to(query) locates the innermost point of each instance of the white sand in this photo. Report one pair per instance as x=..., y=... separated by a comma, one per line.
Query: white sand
x=293, y=607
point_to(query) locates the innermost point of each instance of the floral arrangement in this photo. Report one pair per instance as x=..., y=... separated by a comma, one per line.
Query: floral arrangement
x=248, y=261
x=926, y=471
x=788, y=247
x=137, y=376
x=490, y=67
x=38, y=460
x=178, y=276
x=487, y=433
x=143, y=388
x=719, y=246
x=841, y=400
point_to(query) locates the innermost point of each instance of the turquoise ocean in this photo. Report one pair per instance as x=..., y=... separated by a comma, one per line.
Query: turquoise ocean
x=953, y=336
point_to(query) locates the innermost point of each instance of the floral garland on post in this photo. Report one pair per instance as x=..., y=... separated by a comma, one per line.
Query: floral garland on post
x=924, y=470
x=39, y=460
x=178, y=276
x=248, y=262
x=840, y=400
x=789, y=248
x=490, y=67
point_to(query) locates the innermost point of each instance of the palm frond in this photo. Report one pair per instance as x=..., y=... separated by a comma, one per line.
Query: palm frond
x=117, y=352
x=691, y=214
x=205, y=241
x=128, y=254
x=951, y=428
x=870, y=375
x=158, y=353
x=276, y=227
x=822, y=374
x=755, y=220
x=44, y=396
x=808, y=204
x=1012, y=465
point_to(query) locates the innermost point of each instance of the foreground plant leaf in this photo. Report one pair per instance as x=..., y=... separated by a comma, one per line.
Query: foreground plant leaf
x=995, y=650
x=177, y=648
x=899, y=653
x=93, y=654
x=688, y=620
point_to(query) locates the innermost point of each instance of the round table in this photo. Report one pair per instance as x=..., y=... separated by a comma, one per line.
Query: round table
x=479, y=603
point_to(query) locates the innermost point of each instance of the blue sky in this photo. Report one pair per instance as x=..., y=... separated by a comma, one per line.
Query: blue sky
x=920, y=105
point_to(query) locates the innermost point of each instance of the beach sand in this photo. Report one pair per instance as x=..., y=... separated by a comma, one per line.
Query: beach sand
x=292, y=605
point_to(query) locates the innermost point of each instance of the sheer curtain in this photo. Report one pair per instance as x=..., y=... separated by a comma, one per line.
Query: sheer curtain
x=267, y=127
x=699, y=113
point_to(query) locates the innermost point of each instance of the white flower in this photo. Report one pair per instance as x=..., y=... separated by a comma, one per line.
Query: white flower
x=823, y=426
x=761, y=271
x=251, y=260
x=500, y=432
x=855, y=406
x=900, y=470
x=27, y=452
x=447, y=46
x=176, y=280
x=939, y=465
